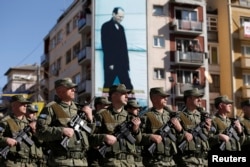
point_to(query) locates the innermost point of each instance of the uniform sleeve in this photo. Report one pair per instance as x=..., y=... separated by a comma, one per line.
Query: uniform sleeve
x=45, y=130
x=2, y=131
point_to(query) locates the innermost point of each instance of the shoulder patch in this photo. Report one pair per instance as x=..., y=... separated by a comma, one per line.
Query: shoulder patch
x=43, y=116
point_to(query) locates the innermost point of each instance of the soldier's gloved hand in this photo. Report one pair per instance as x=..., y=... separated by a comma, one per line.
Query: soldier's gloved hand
x=110, y=139
x=68, y=132
x=88, y=111
x=136, y=121
x=223, y=137
x=176, y=124
x=156, y=138
x=11, y=142
x=188, y=136
x=238, y=126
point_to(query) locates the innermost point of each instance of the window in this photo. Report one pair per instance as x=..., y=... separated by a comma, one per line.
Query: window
x=77, y=78
x=188, y=45
x=59, y=37
x=157, y=10
x=246, y=79
x=182, y=14
x=75, y=21
x=76, y=50
x=244, y=2
x=159, y=73
x=186, y=76
x=215, y=85
x=212, y=23
x=68, y=56
x=53, y=43
x=68, y=27
x=159, y=42
x=213, y=54
x=245, y=50
x=243, y=20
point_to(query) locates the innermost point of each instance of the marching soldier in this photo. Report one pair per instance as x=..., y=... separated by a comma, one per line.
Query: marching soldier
x=195, y=149
x=118, y=150
x=157, y=117
x=221, y=140
x=52, y=127
x=14, y=128
x=245, y=121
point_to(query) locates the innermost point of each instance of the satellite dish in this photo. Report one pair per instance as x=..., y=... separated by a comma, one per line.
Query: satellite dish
x=208, y=77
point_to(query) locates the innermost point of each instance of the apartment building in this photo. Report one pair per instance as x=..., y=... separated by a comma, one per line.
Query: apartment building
x=166, y=38
x=23, y=79
x=234, y=46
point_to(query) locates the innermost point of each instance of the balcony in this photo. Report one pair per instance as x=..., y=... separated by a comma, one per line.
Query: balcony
x=45, y=60
x=191, y=2
x=245, y=91
x=187, y=27
x=181, y=87
x=84, y=55
x=84, y=24
x=189, y=58
x=245, y=62
x=84, y=86
x=243, y=35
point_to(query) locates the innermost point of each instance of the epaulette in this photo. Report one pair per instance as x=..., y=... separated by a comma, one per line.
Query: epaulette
x=50, y=103
x=6, y=118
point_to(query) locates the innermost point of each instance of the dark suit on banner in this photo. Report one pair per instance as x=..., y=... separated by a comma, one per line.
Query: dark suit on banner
x=115, y=52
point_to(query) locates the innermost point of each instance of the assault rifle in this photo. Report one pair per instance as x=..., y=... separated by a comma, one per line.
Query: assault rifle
x=165, y=131
x=78, y=123
x=20, y=137
x=122, y=131
x=197, y=131
x=230, y=131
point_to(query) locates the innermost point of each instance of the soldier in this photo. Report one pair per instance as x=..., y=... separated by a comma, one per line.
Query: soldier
x=194, y=148
x=221, y=140
x=133, y=109
x=20, y=153
x=93, y=154
x=245, y=121
x=157, y=117
x=118, y=150
x=101, y=103
x=38, y=150
x=52, y=127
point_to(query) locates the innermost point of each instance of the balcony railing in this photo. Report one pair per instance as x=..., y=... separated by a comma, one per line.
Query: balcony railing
x=84, y=54
x=44, y=59
x=193, y=2
x=84, y=23
x=189, y=58
x=245, y=62
x=245, y=91
x=187, y=26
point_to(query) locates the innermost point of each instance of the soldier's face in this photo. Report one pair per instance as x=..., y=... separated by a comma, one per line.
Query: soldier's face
x=66, y=94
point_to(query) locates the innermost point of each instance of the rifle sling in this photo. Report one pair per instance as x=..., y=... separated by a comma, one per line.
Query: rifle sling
x=60, y=113
x=154, y=122
x=13, y=126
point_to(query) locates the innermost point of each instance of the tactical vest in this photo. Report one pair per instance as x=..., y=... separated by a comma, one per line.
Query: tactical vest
x=110, y=125
x=197, y=144
x=167, y=146
x=23, y=150
x=232, y=144
x=73, y=144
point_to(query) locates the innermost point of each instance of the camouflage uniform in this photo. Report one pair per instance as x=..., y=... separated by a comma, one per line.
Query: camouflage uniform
x=27, y=153
x=54, y=117
x=49, y=129
x=245, y=121
x=163, y=155
x=221, y=124
x=122, y=152
x=21, y=154
x=195, y=152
